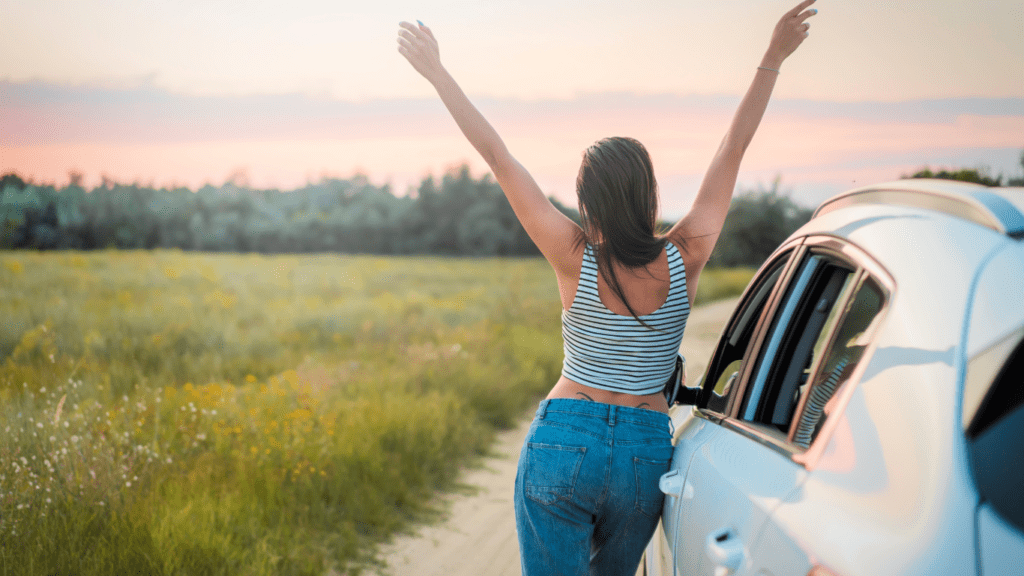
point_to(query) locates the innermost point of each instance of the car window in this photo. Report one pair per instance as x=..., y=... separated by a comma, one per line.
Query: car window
x=816, y=337
x=995, y=435
x=725, y=367
x=847, y=347
x=797, y=328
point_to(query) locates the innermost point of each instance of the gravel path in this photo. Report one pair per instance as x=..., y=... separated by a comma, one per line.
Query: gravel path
x=478, y=535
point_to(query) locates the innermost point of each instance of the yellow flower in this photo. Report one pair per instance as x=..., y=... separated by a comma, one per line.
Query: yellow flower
x=299, y=414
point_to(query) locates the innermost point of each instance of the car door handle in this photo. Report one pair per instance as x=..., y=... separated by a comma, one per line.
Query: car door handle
x=672, y=484
x=725, y=550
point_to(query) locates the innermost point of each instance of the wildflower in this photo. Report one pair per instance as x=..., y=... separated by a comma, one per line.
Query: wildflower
x=39, y=424
x=128, y=484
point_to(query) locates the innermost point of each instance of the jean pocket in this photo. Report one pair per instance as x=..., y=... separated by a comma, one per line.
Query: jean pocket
x=551, y=471
x=649, y=497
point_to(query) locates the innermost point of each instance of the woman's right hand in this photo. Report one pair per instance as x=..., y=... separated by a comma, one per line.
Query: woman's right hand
x=418, y=45
x=789, y=33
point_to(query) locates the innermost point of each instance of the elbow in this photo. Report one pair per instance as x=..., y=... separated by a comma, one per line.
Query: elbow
x=492, y=160
x=500, y=162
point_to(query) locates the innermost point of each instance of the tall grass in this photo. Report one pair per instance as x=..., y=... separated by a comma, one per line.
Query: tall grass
x=170, y=413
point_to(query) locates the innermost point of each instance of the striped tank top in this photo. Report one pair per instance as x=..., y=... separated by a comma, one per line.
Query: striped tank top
x=612, y=352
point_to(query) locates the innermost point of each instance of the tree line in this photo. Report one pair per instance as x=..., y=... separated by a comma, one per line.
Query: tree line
x=454, y=216
x=459, y=215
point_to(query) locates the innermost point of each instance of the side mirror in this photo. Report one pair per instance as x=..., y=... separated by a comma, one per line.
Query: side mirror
x=676, y=390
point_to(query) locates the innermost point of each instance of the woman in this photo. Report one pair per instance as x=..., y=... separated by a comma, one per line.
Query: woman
x=587, y=498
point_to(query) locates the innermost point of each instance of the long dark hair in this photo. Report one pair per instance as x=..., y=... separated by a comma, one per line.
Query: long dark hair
x=618, y=203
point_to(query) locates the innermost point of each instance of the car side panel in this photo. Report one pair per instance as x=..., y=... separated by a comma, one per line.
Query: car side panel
x=690, y=434
x=732, y=486
x=998, y=306
x=890, y=493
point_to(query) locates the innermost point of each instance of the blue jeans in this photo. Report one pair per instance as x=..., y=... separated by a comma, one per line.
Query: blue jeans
x=586, y=497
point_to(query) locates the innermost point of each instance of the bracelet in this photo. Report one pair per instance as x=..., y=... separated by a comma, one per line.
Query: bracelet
x=768, y=69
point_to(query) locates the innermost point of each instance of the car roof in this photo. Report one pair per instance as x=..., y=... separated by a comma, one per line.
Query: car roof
x=946, y=246
x=1001, y=209
x=933, y=238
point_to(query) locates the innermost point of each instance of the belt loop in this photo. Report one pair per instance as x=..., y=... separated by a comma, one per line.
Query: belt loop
x=612, y=408
x=543, y=410
x=671, y=427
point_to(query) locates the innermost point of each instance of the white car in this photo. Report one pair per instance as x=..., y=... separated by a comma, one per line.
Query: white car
x=863, y=413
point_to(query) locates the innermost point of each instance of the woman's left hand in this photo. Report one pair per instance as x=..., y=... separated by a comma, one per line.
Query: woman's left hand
x=418, y=45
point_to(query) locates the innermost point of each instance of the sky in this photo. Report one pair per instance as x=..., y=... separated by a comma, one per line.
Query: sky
x=282, y=93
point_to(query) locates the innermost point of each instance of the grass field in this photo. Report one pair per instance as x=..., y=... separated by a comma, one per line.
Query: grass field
x=184, y=413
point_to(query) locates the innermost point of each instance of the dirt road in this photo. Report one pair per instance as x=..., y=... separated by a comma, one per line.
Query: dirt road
x=478, y=535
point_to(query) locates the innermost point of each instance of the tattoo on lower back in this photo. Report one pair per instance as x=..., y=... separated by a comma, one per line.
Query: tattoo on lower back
x=644, y=405
x=585, y=397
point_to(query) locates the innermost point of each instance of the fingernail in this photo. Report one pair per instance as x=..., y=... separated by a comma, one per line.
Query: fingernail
x=420, y=23
x=814, y=11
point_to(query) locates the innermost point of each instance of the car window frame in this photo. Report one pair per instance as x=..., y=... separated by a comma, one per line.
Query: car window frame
x=791, y=251
x=863, y=267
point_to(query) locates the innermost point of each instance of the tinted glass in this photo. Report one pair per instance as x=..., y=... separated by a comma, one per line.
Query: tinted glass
x=847, y=347
x=996, y=442
x=805, y=318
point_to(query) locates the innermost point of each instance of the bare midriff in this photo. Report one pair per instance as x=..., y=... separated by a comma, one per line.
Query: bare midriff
x=566, y=388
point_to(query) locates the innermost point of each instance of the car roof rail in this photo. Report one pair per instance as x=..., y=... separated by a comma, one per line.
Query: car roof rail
x=1001, y=209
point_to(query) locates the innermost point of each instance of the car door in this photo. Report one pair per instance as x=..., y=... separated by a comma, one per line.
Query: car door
x=743, y=460
x=816, y=412
x=693, y=432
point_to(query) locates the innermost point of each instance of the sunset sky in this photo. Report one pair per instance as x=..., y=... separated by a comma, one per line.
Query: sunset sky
x=193, y=91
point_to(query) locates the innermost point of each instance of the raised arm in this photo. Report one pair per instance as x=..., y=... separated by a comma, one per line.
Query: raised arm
x=550, y=230
x=702, y=226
